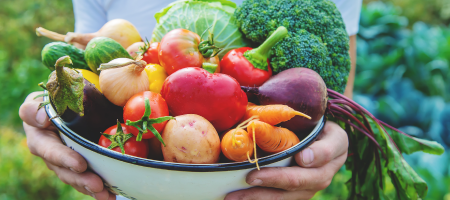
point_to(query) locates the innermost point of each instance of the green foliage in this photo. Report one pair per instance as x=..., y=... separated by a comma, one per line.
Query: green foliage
x=20, y=49
x=435, y=12
x=25, y=176
x=403, y=78
x=317, y=37
x=404, y=73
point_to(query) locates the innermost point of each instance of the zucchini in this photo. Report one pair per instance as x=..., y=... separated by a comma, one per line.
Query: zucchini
x=55, y=50
x=102, y=50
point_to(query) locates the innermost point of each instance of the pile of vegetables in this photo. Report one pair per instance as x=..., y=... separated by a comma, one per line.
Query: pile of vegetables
x=199, y=90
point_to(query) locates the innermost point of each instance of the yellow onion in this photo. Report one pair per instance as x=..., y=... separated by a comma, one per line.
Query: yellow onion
x=122, y=78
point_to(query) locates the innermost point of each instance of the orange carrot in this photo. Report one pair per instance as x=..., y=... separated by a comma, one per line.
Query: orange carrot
x=272, y=114
x=270, y=138
x=243, y=145
x=237, y=144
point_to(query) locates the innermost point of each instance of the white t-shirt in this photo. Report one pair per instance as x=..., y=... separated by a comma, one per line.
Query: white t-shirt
x=91, y=15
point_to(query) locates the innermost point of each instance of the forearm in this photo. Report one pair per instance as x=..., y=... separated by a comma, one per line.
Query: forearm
x=351, y=77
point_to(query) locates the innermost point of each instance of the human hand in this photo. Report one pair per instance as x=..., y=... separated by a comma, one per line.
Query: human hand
x=317, y=165
x=43, y=141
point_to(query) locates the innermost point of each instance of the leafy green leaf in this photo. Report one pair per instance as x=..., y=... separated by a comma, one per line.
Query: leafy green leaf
x=405, y=179
x=409, y=144
x=197, y=16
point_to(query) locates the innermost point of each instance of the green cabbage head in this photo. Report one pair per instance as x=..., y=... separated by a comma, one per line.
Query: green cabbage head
x=199, y=15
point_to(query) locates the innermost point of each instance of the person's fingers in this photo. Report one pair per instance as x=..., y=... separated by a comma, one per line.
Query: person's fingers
x=87, y=182
x=332, y=144
x=30, y=114
x=259, y=193
x=292, y=178
x=296, y=178
x=47, y=145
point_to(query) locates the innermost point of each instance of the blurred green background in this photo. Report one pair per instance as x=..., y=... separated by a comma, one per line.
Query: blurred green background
x=403, y=77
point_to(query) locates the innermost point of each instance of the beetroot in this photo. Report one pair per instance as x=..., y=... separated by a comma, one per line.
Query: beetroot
x=301, y=89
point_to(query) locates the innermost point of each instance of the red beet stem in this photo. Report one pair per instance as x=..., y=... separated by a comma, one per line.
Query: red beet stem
x=363, y=131
x=337, y=95
x=349, y=115
x=377, y=155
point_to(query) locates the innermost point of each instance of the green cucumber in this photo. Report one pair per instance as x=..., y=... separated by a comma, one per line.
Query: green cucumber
x=55, y=50
x=102, y=50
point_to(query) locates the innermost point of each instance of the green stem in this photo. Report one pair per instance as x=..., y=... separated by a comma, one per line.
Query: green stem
x=207, y=47
x=118, y=139
x=258, y=57
x=141, y=65
x=147, y=124
x=211, y=68
x=59, y=67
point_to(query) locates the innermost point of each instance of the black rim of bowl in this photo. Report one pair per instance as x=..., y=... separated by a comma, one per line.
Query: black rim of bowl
x=182, y=166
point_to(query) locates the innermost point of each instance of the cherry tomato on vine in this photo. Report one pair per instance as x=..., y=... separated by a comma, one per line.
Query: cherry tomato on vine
x=150, y=53
x=125, y=137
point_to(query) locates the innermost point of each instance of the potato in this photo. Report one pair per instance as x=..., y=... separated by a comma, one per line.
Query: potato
x=190, y=139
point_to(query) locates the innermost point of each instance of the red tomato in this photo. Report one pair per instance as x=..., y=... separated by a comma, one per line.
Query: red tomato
x=179, y=49
x=135, y=107
x=151, y=55
x=216, y=97
x=237, y=66
x=131, y=146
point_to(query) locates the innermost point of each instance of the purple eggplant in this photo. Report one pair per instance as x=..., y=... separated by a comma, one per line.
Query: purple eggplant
x=82, y=107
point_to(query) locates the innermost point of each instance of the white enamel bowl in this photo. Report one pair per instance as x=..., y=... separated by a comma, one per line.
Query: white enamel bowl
x=138, y=178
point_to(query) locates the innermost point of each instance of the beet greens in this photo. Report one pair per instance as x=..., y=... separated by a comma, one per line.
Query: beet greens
x=377, y=153
x=375, y=148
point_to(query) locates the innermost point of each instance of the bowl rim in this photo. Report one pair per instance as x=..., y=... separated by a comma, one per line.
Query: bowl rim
x=63, y=129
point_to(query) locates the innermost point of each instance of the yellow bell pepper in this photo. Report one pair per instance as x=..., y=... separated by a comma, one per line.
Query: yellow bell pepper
x=91, y=77
x=156, y=76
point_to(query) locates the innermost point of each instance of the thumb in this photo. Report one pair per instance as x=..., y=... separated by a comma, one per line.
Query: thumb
x=30, y=114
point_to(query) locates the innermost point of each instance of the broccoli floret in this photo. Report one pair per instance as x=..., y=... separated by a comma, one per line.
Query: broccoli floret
x=317, y=37
x=302, y=49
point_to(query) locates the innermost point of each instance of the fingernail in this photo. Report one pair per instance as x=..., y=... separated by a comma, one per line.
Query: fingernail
x=256, y=182
x=307, y=156
x=41, y=116
x=90, y=191
x=71, y=169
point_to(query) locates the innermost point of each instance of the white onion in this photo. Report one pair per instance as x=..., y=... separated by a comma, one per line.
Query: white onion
x=122, y=78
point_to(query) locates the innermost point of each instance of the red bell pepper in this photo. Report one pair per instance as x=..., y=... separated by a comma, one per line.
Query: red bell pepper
x=248, y=66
